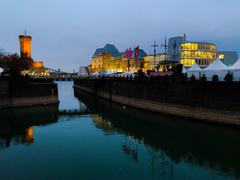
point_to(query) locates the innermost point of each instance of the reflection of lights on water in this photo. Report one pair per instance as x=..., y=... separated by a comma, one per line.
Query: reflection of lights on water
x=29, y=136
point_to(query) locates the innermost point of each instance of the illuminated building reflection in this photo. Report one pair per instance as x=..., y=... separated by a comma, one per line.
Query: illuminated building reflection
x=16, y=126
x=29, y=139
x=103, y=124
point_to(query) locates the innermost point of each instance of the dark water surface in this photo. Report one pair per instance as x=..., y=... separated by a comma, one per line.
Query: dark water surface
x=112, y=142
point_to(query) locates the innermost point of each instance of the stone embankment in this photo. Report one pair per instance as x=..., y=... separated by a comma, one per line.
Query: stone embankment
x=217, y=102
x=21, y=93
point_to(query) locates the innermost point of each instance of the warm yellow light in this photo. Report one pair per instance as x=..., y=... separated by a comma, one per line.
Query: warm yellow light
x=187, y=62
x=29, y=136
x=202, y=53
x=221, y=56
x=38, y=64
x=25, y=46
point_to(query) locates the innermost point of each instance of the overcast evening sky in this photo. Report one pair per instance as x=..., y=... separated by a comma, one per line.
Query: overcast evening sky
x=66, y=32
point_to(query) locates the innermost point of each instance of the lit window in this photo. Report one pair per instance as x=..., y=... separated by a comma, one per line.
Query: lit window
x=221, y=56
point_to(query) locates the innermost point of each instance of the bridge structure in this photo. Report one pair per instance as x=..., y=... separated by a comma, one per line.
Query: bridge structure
x=59, y=75
x=72, y=112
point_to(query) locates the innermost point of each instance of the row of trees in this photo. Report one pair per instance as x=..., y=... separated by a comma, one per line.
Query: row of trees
x=12, y=64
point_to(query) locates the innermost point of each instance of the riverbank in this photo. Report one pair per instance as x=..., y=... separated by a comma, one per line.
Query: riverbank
x=27, y=92
x=215, y=102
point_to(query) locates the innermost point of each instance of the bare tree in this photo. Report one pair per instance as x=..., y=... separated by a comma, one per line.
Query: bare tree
x=12, y=64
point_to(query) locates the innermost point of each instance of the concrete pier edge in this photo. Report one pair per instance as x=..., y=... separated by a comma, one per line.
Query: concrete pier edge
x=194, y=113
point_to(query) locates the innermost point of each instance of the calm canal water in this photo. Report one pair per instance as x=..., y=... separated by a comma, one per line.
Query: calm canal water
x=112, y=142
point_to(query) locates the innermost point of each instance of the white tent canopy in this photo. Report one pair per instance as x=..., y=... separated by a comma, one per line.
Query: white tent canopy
x=195, y=67
x=83, y=72
x=236, y=65
x=184, y=70
x=236, y=70
x=111, y=73
x=126, y=73
x=195, y=71
x=216, y=68
x=95, y=74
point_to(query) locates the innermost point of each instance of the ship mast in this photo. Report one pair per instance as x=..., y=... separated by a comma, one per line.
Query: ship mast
x=155, y=52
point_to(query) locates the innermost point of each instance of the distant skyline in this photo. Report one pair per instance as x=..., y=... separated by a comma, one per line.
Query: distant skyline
x=67, y=33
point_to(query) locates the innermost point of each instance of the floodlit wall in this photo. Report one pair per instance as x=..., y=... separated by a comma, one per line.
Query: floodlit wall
x=25, y=46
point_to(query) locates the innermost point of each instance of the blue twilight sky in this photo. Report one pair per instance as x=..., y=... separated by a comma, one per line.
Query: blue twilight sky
x=67, y=32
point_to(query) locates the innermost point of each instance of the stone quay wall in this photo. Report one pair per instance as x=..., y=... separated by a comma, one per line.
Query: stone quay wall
x=21, y=93
x=217, y=102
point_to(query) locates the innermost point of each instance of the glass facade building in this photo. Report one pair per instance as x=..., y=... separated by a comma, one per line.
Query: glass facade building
x=201, y=53
x=188, y=52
